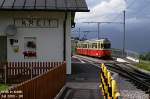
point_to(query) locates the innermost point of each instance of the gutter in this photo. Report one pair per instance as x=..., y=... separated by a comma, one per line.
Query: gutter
x=46, y=10
x=64, y=34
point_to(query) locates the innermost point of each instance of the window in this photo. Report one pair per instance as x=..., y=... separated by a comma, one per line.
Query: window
x=30, y=47
x=94, y=45
x=99, y=45
x=102, y=46
x=84, y=45
x=105, y=46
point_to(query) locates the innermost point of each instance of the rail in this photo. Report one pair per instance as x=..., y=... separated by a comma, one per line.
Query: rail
x=130, y=55
x=108, y=84
x=44, y=86
x=133, y=56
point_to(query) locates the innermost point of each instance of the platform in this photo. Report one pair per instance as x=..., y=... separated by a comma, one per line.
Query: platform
x=83, y=83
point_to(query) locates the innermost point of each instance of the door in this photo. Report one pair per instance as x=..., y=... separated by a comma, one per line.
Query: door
x=3, y=48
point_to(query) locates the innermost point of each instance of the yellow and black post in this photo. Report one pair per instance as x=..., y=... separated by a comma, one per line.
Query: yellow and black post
x=105, y=82
x=113, y=89
x=109, y=86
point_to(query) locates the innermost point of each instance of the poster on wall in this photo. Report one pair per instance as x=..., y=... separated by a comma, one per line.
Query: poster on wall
x=30, y=47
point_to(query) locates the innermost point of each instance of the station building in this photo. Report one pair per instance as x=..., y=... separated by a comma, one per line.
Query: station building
x=38, y=30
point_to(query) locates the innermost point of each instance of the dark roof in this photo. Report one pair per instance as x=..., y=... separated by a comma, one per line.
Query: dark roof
x=49, y=5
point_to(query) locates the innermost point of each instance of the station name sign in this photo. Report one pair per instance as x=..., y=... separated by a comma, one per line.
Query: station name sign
x=36, y=22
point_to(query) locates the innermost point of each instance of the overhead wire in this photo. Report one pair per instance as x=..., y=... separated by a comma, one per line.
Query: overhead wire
x=130, y=5
x=141, y=10
x=103, y=15
x=115, y=18
x=137, y=12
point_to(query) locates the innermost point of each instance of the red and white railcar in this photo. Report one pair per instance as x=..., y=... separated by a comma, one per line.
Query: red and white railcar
x=96, y=48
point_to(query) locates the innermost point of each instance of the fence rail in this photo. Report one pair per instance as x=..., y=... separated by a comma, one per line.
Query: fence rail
x=130, y=55
x=17, y=72
x=108, y=85
x=44, y=86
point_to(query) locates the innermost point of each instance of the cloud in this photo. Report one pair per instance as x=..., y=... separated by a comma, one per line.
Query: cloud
x=101, y=10
x=137, y=22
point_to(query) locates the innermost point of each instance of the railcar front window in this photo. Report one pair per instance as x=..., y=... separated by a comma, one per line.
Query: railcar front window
x=107, y=46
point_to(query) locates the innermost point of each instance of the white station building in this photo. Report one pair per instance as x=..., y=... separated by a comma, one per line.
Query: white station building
x=38, y=30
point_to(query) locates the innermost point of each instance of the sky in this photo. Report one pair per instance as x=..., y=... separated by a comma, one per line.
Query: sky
x=137, y=22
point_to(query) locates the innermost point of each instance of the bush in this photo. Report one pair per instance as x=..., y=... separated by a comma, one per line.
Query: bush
x=145, y=56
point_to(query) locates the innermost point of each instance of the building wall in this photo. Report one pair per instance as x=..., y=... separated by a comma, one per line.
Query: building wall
x=49, y=41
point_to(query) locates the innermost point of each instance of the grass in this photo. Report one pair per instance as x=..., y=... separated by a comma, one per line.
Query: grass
x=144, y=65
x=3, y=87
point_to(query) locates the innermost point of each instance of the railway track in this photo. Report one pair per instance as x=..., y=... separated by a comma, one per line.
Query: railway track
x=140, y=79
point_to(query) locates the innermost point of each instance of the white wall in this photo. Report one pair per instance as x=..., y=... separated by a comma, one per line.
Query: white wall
x=49, y=40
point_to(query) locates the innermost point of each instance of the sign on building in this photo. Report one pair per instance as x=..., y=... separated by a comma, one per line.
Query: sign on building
x=36, y=22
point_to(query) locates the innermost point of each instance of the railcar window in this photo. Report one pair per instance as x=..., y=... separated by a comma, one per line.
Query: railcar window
x=99, y=45
x=107, y=46
x=102, y=46
x=84, y=45
x=94, y=45
x=90, y=45
x=78, y=45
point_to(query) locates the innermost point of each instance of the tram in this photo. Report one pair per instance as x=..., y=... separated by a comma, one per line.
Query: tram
x=94, y=48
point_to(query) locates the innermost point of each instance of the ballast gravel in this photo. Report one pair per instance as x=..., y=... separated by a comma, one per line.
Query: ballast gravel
x=129, y=91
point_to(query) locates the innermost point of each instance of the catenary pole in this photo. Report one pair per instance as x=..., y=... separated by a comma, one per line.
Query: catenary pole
x=124, y=32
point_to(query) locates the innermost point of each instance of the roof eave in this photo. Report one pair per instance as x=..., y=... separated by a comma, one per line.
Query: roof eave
x=59, y=10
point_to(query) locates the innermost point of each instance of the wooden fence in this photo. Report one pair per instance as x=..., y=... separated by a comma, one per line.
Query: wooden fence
x=17, y=72
x=45, y=86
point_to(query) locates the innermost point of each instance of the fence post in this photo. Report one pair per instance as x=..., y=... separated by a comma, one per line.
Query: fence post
x=31, y=69
x=5, y=71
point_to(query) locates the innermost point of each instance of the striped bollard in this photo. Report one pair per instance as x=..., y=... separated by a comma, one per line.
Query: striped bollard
x=105, y=82
x=109, y=86
x=113, y=89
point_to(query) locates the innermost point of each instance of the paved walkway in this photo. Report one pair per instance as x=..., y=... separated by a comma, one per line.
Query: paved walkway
x=83, y=83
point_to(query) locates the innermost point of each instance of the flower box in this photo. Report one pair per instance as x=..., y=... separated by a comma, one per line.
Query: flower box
x=29, y=54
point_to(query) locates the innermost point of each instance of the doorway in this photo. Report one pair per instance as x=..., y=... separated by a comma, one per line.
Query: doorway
x=3, y=48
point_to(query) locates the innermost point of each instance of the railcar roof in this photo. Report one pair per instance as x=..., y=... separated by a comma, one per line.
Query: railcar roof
x=95, y=40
